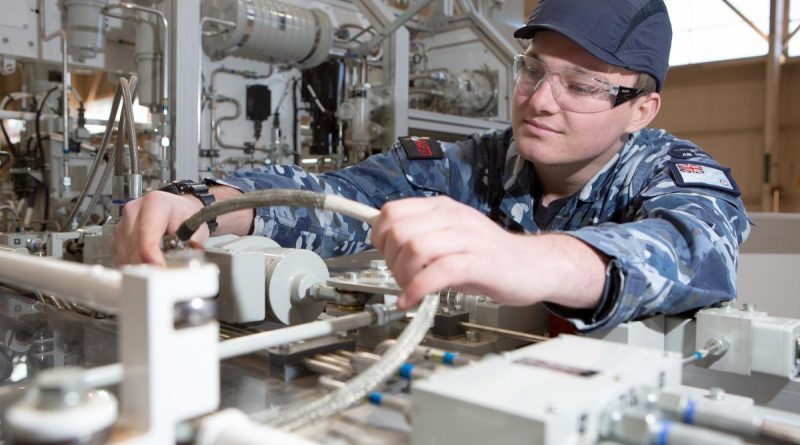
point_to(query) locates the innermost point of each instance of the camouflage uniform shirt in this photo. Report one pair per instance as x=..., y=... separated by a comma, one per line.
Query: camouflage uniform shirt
x=672, y=243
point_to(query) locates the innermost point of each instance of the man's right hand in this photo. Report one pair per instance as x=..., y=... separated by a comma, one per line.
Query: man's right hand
x=137, y=237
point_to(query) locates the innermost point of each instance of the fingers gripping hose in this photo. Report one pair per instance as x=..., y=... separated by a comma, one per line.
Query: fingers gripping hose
x=357, y=388
x=265, y=198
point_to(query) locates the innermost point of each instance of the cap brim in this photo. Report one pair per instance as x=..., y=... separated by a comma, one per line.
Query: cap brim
x=527, y=32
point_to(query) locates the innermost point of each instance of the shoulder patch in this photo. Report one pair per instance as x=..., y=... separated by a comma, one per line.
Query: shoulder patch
x=421, y=148
x=698, y=174
x=687, y=153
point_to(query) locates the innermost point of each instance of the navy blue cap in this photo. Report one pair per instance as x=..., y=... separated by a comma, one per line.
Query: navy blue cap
x=632, y=34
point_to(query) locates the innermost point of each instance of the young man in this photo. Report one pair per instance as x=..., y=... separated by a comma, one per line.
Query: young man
x=576, y=205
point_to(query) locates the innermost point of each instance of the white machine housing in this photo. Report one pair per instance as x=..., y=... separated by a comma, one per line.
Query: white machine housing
x=549, y=393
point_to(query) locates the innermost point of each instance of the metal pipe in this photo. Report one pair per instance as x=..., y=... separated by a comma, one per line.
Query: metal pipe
x=216, y=125
x=772, y=104
x=67, y=181
x=326, y=368
x=264, y=340
x=94, y=286
x=214, y=134
x=24, y=115
x=505, y=332
x=98, y=156
x=164, y=22
x=100, y=187
x=225, y=25
x=387, y=31
x=791, y=34
x=749, y=22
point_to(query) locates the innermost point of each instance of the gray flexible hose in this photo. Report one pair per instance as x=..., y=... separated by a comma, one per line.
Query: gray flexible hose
x=127, y=108
x=277, y=197
x=100, y=152
x=358, y=387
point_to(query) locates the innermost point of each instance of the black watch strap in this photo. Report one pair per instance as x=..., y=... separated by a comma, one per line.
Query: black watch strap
x=196, y=189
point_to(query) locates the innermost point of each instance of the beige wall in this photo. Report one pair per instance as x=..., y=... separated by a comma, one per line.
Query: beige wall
x=720, y=106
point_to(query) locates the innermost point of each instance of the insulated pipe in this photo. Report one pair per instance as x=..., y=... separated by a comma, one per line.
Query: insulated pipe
x=94, y=286
x=256, y=342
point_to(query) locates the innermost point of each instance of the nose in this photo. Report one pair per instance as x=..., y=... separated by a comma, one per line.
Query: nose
x=544, y=99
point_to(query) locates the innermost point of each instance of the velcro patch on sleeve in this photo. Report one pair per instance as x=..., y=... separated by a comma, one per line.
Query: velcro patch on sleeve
x=421, y=148
x=698, y=174
x=687, y=153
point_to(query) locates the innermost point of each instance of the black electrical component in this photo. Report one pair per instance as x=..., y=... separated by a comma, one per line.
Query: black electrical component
x=324, y=85
x=259, y=102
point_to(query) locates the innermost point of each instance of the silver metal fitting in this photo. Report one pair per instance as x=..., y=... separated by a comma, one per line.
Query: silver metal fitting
x=384, y=314
x=194, y=312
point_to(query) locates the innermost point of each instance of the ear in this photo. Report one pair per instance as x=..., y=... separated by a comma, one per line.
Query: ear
x=644, y=110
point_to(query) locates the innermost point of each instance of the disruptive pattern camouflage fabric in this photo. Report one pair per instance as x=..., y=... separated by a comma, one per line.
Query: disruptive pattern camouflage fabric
x=672, y=242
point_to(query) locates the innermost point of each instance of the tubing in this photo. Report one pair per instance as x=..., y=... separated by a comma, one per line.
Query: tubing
x=127, y=108
x=256, y=342
x=93, y=286
x=112, y=115
x=232, y=427
x=278, y=197
x=360, y=386
x=100, y=187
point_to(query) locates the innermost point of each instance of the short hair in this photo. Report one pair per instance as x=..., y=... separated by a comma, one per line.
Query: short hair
x=646, y=84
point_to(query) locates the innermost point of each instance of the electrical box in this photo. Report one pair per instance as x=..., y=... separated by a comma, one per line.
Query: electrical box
x=553, y=392
x=259, y=102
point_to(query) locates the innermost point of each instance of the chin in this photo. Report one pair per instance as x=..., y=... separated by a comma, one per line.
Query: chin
x=538, y=152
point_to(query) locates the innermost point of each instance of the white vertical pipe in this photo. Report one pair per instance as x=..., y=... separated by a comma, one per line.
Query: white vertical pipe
x=93, y=286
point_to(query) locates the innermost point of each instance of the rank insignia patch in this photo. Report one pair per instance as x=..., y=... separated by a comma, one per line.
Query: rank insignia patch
x=421, y=148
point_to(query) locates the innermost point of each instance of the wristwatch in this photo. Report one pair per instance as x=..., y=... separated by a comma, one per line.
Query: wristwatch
x=196, y=189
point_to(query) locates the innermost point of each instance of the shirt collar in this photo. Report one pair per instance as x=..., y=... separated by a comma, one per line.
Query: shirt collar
x=520, y=175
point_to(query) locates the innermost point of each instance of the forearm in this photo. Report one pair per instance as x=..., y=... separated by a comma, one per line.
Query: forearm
x=239, y=222
x=573, y=273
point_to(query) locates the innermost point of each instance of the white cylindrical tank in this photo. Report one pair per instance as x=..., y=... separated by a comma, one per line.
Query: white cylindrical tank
x=85, y=27
x=269, y=31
